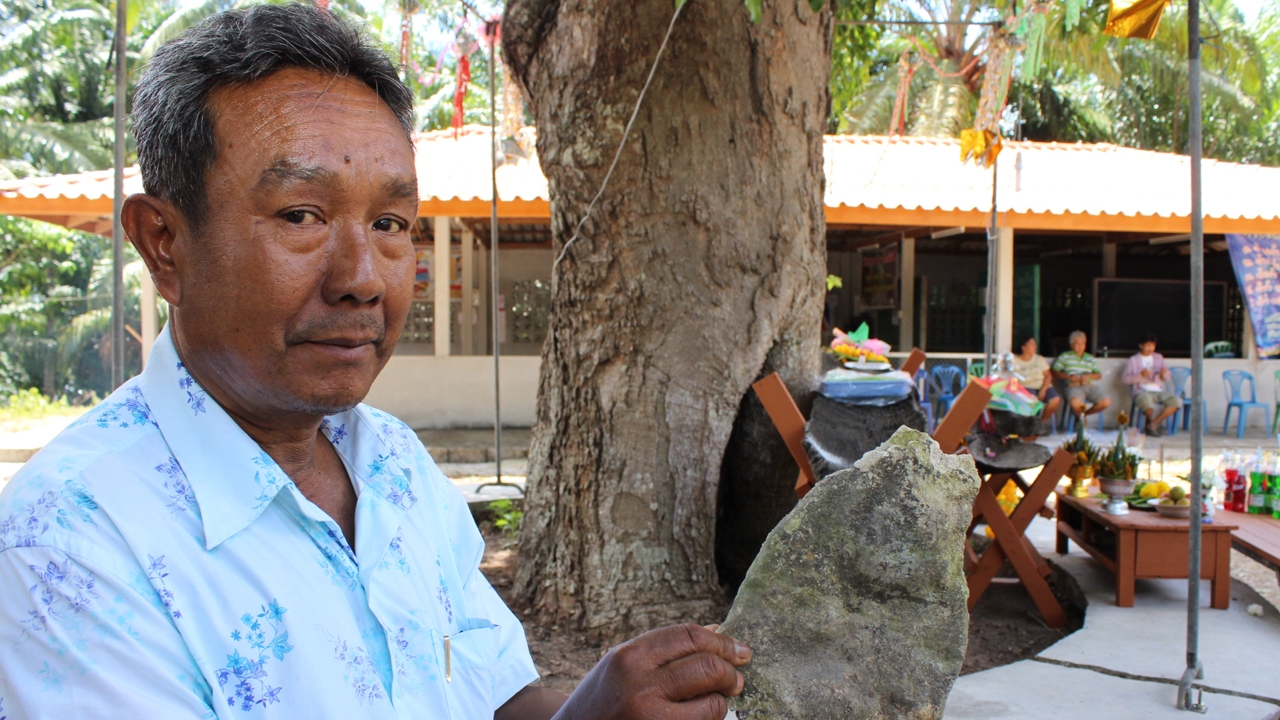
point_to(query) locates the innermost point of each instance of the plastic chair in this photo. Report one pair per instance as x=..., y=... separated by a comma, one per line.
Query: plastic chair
x=1069, y=419
x=1220, y=349
x=977, y=369
x=1140, y=420
x=1178, y=377
x=1233, y=383
x=948, y=380
x=922, y=386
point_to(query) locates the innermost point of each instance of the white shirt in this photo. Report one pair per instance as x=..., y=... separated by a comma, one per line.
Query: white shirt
x=1148, y=361
x=155, y=563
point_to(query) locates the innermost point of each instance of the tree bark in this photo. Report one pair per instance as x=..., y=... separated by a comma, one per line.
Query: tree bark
x=700, y=269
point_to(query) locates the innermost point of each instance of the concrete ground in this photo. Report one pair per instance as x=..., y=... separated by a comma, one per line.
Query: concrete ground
x=1124, y=664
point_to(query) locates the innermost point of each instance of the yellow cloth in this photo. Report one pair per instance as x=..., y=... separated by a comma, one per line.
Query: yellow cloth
x=1135, y=18
x=982, y=145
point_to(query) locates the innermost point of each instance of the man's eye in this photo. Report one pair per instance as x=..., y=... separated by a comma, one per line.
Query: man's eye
x=301, y=217
x=390, y=225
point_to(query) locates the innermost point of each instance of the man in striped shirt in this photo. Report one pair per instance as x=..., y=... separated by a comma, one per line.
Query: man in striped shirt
x=1080, y=371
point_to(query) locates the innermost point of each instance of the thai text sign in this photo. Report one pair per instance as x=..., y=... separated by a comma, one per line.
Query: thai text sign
x=1256, y=259
x=880, y=278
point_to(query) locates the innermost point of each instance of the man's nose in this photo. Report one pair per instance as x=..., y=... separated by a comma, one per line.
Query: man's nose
x=353, y=267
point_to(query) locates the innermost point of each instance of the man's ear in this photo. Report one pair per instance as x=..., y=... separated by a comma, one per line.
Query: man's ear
x=153, y=226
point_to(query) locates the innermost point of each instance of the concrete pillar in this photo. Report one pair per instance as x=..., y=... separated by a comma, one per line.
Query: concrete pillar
x=1004, y=291
x=907, y=283
x=150, y=317
x=466, y=319
x=1108, y=259
x=440, y=281
x=482, y=314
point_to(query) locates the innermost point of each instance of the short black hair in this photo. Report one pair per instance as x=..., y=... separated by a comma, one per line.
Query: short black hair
x=1026, y=339
x=171, y=119
x=1146, y=338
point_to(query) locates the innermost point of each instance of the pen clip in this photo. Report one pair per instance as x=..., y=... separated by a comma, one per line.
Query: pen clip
x=448, y=661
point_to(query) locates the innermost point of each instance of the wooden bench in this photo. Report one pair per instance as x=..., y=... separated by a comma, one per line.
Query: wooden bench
x=1257, y=536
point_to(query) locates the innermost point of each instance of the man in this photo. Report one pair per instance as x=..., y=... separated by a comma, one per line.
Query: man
x=232, y=534
x=1080, y=371
x=1147, y=373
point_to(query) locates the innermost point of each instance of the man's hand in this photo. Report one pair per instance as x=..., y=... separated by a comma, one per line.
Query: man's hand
x=1146, y=374
x=1044, y=390
x=683, y=672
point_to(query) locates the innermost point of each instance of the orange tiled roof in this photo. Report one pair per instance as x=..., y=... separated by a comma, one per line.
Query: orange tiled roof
x=872, y=180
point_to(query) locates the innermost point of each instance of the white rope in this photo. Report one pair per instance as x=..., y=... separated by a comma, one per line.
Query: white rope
x=625, y=134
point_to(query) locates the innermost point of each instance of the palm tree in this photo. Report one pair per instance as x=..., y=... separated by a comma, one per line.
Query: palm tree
x=1082, y=85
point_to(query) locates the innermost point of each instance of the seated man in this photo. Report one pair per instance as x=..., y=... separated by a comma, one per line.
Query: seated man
x=1080, y=371
x=232, y=534
x=1147, y=373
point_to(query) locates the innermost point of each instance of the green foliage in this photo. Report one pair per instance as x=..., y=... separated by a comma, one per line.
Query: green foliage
x=55, y=290
x=1119, y=462
x=506, y=516
x=29, y=404
x=1071, y=82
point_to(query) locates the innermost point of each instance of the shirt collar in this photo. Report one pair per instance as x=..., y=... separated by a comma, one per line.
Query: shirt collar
x=233, y=479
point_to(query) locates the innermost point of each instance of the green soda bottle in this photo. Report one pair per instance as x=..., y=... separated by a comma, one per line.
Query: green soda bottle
x=1272, y=502
x=1258, y=487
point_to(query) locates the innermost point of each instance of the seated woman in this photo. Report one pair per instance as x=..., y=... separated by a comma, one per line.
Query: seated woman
x=1036, y=377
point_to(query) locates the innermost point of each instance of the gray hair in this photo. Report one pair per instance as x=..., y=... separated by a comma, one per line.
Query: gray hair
x=1077, y=334
x=171, y=119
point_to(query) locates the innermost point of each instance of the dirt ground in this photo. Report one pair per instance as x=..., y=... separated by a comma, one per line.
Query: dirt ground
x=1004, y=626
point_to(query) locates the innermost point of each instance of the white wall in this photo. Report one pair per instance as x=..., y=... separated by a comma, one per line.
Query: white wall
x=1263, y=373
x=456, y=391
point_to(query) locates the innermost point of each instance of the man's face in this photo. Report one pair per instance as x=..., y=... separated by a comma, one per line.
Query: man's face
x=294, y=290
x=1078, y=344
x=1147, y=348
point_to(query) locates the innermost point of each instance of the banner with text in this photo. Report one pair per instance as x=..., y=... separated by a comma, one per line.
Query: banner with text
x=1256, y=259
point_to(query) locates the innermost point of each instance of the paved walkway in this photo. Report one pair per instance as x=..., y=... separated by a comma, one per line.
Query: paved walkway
x=1124, y=664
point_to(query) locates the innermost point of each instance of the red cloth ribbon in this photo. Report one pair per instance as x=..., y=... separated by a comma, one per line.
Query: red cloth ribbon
x=460, y=92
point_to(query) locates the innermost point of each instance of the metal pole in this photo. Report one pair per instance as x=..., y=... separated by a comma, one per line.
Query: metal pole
x=993, y=238
x=1194, y=668
x=117, y=199
x=491, y=29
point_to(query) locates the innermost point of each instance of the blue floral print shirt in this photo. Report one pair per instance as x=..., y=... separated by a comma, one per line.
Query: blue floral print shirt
x=155, y=563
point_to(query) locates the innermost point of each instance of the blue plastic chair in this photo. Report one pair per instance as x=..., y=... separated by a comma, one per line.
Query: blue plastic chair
x=922, y=386
x=1233, y=382
x=948, y=381
x=1069, y=419
x=1178, y=377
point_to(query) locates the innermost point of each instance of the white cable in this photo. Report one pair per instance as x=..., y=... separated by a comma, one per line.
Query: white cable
x=625, y=134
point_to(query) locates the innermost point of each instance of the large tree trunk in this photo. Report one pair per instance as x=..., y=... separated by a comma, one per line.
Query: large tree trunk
x=701, y=268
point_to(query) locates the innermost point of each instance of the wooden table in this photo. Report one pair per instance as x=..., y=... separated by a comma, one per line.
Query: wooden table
x=1144, y=545
x=1257, y=536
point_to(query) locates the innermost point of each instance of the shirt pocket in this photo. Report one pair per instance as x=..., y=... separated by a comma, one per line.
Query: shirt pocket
x=470, y=658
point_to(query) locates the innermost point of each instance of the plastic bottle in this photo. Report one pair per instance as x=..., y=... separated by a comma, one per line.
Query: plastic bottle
x=1272, y=482
x=1230, y=472
x=1240, y=493
x=1258, y=485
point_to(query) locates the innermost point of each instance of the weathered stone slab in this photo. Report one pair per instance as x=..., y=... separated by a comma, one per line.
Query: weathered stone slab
x=856, y=605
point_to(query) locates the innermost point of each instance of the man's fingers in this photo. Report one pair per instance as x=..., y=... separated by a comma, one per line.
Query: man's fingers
x=672, y=643
x=707, y=707
x=697, y=675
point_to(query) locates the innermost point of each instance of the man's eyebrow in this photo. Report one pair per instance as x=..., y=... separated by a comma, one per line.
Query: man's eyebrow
x=285, y=171
x=401, y=188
